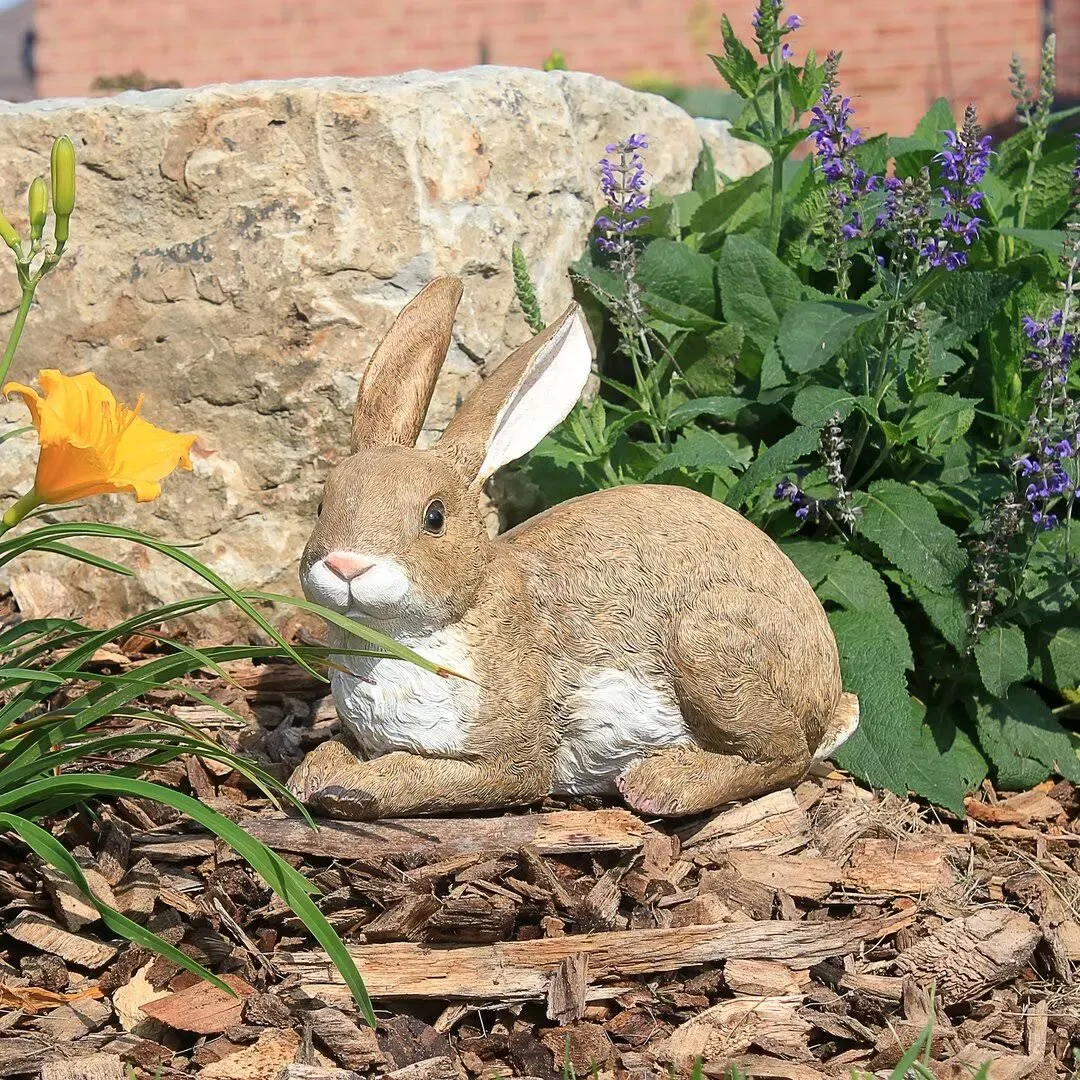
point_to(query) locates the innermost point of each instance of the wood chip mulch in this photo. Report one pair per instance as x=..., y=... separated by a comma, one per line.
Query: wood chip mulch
x=803, y=935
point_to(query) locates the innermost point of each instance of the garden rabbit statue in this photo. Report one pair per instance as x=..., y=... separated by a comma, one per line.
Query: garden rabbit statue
x=643, y=640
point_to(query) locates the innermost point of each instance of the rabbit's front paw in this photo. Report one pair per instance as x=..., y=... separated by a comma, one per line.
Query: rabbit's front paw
x=641, y=792
x=330, y=781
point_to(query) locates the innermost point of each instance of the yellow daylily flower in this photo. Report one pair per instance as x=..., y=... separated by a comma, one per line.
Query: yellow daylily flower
x=91, y=445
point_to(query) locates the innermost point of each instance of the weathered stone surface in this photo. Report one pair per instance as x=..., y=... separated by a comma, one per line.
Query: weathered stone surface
x=237, y=251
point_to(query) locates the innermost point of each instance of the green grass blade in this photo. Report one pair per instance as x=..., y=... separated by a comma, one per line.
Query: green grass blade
x=50, y=850
x=12, y=676
x=386, y=644
x=35, y=628
x=87, y=557
x=11, y=548
x=278, y=874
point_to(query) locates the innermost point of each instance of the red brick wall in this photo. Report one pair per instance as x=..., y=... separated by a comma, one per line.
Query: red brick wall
x=898, y=54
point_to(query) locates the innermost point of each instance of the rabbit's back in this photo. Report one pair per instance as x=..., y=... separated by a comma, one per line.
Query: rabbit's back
x=661, y=604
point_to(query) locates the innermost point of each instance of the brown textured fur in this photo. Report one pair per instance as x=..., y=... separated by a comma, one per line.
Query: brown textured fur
x=662, y=583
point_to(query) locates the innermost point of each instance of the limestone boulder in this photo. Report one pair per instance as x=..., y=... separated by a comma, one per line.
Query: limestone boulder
x=237, y=251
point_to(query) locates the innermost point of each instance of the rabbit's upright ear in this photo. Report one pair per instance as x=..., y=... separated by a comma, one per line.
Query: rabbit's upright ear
x=528, y=395
x=396, y=388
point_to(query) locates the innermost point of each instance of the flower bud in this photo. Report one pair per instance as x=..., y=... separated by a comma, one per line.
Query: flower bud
x=38, y=201
x=8, y=233
x=63, y=185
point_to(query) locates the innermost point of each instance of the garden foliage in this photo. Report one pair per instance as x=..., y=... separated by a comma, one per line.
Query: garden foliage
x=75, y=735
x=867, y=350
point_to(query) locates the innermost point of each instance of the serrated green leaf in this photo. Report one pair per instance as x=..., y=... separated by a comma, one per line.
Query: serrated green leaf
x=905, y=525
x=756, y=288
x=814, y=405
x=1007, y=345
x=946, y=612
x=773, y=375
x=686, y=205
x=813, y=333
x=679, y=314
x=918, y=149
x=940, y=419
x=721, y=211
x=971, y=299
x=704, y=180
x=698, y=450
x=738, y=65
x=1024, y=740
x=772, y=461
x=718, y=407
x=1064, y=650
x=1002, y=655
x=873, y=670
x=1052, y=241
x=944, y=769
x=1013, y=152
x=663, y=218
x=872, y=156
x=1051, y=188
x=669, y=269
x=841, y=577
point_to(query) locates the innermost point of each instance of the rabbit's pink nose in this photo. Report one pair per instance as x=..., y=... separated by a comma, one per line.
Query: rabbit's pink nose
x=347, y=565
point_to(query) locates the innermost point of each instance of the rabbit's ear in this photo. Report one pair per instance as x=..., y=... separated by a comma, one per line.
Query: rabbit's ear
x=396, y=389
x=529, y=394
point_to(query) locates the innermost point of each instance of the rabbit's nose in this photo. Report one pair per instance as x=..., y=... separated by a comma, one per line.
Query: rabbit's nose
x=347, y=565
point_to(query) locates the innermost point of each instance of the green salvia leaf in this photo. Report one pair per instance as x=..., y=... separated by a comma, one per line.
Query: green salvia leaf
x=905, y=526
x=737, y=66
x=771, y=461
x=813, y=333
x=756, y=288
x=704, y=181
x=874, y=670
x=699, y=450
x=671, y=270
x=1024, y=740
x=1002, y=657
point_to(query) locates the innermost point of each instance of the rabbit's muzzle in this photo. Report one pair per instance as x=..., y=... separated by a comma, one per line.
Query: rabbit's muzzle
x=357, y=585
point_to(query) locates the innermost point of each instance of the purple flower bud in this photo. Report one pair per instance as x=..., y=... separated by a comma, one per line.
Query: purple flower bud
x=786, y=52
x=792, y=22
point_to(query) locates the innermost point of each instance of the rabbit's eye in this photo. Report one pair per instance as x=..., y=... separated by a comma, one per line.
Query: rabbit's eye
x=435, y=518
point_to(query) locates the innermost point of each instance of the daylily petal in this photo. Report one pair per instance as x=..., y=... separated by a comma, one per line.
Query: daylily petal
x=66, y=472
x=91, y=445
x=146, y=452
x=33, y=399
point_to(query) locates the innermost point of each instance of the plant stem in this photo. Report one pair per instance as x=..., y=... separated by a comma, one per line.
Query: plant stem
x=17, y=329
x=18, y=510
x=777, y=202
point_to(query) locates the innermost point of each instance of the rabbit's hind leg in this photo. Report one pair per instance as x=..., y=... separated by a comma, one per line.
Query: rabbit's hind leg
x=685, y=780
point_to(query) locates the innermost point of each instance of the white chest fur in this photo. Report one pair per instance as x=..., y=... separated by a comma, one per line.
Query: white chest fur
x=389, y=704
x=610, y=722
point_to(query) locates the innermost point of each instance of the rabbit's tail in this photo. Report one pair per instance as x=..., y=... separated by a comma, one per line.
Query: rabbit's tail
x=841, y=725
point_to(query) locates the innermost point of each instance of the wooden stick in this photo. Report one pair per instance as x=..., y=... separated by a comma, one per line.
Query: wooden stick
x=563, y=832
x=522, y=970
